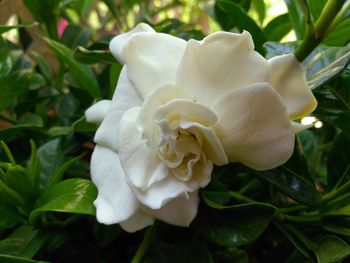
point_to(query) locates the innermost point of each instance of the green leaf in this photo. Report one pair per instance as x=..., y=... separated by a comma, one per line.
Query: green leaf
x=260, y=8
x=296, y=17
x=11, y=88
x=74, y=36
x=174, y=253
x=80, y=72
x=112, y=7
x=331, y=249
x=230, y=15
x=51, y=157
x=82, y=125
x=45, y=12
x=340, y=35
x=86, y=56
x=5, y=28
x=13, y=259
x=338, y=164
x=316, y=7
x=292, y=184
x=23, y=242
x=5, y=58
x=234, y=225
x=277, y=28
x=232, y=254
x=9, y=216
x=69, y=196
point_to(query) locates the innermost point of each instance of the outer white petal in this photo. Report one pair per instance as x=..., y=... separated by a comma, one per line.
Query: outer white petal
x=143, y=168
x=180, y=211
x=221, y=62
x=97, y=112
x=117, y=44
x=152, y=60
x=124, y=98
x=115, y=201
x=287, y=76
x=254, y=127
x=137, y=221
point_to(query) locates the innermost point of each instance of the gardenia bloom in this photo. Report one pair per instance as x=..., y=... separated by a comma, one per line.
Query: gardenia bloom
x=180, y=108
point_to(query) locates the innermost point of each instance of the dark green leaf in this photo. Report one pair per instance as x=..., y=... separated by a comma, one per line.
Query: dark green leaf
x=340, y=35
x=230, y=15
x=291, y=184
x=338, y=164
x=9, y=215
x=86, y=56
x=174, y=253
x=82, y=125
x=230, y=255
x=70, y=196
x=81, y=73
x=23, y=242
x=59, y=131
x=234, y=225
x=11, y=88
x=112, y=7
x=13, y=259
x=74, y=36
x=316, y=7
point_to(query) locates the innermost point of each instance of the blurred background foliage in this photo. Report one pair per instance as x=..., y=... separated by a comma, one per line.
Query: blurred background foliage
x=55, y=63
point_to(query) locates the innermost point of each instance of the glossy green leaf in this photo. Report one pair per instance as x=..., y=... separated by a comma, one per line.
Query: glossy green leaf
x=59, y=131
x=291, y=184
x=230, y=15
x=331, y=249
x=51, y=157
x=69, y=196
x=232, y=254
x=234, y=225
x=316, y=7
x=86, y=56
x=25, y=241
x=82, y=74
x=174, y=253
x=5, y=28
x=9, y=215
x=338, y=164
x=278, y=27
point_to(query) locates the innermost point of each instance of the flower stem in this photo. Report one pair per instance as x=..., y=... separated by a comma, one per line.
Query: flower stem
x=144, y=244
x=315, y=33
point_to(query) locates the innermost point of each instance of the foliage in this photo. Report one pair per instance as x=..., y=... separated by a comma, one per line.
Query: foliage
x=299, y=212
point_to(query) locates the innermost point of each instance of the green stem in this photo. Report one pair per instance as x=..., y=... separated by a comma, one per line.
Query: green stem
x=292, y=209
x=335, y=192
x=240, y=197
x=339, y=18
x=144, y=244
x=316, y=33
x=304, y=219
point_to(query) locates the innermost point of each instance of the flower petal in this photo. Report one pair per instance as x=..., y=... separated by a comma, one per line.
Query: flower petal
x=115, y=201
x=180, y=211
x=97, y=112
x=198, y=119
x=221, y=62
x=117, y=43
x=287, y=76
x=137, y=221
x=254, y=127
x=140, y=163
x=152, y=60
x=124, y=98
x=149, y=178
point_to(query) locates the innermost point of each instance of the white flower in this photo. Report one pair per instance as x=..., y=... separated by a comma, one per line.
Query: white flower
x=181, y=107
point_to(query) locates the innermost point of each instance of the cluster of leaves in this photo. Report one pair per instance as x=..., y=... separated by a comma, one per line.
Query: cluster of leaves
x=299, y=212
